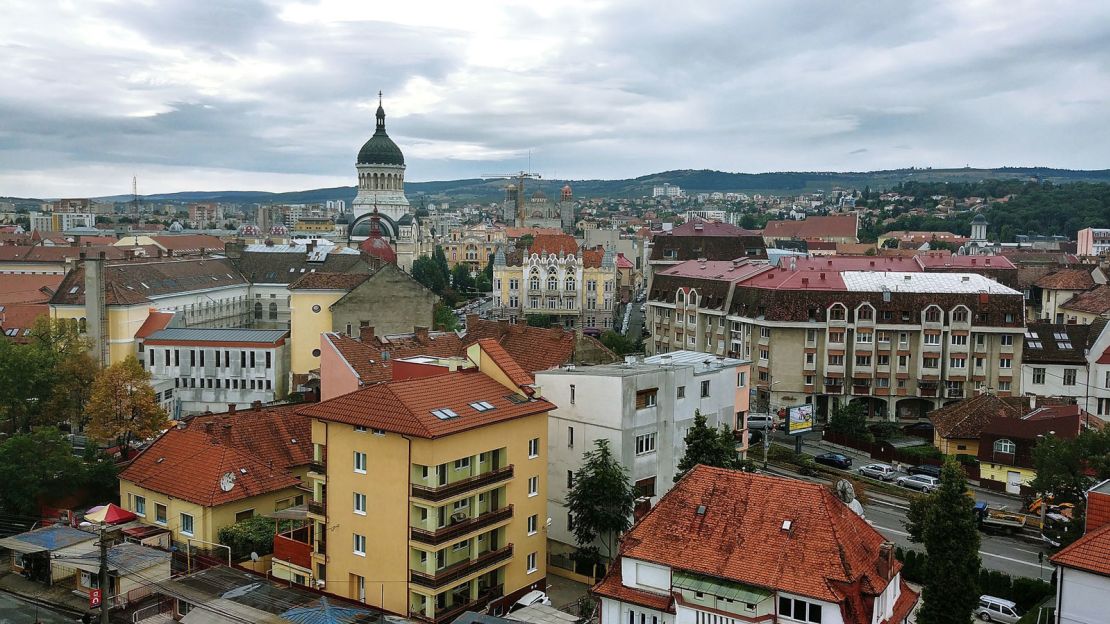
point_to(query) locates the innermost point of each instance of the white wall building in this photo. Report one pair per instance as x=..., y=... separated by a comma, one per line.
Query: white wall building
x=1083, y=569
x=643, y=408
x=212, y=369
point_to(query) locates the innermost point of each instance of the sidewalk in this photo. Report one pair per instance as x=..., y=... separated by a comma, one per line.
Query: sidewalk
x=59, y=596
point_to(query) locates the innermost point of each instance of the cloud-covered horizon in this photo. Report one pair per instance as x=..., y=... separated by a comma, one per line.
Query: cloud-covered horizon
x=268, y=95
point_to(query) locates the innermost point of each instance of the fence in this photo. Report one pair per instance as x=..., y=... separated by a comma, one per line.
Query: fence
x=887, y=452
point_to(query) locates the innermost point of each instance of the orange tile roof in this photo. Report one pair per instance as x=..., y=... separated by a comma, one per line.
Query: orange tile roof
x=258, y=448
x=506, y=363
x=155, y=321
x=1090, y=552
x=28, y=288
x=612, y=587
x=740, y=535
x=554, y=244
x=1067, y=279
x=329, y=281
x=966, y=419
x=406, y=406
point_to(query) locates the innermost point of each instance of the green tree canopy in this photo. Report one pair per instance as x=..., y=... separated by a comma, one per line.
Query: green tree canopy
x=1066, y=469
x=36, y=464
x=601, y=499
x=255, y=534
x=850, y=419
x=707, y=446
x=46, y=379
x=123, y=407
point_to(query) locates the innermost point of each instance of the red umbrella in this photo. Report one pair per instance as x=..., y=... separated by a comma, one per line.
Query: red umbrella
x=109, y=514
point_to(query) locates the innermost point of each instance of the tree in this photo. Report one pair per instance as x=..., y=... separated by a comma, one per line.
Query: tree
x=123, y=407
x=255, y=534
x=849, y=419
x=538, y=320
x=1066, y=469
x=601, y=499
x=708, y=446
x=461, y=280
x=944, y=521
x=525, y=242
x=425, y=271
x=67, y=400
x=443, y=317
x=35, y=464
x=33, y=372
x=619, y=343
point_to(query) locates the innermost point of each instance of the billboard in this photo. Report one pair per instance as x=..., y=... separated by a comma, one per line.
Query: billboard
x=800, y=419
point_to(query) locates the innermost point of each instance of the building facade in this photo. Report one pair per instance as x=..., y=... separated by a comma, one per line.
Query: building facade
x=429, y=490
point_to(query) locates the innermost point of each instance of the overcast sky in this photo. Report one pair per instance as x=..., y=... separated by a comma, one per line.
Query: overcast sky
x=259, y=95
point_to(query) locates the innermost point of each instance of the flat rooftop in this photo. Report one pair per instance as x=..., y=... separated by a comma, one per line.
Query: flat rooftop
x=231, y=334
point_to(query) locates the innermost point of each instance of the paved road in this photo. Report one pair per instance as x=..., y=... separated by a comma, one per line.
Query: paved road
x=15, y=610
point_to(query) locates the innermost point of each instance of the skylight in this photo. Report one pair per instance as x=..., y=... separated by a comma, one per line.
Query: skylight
x=482, y=406
x=1060, y=335
x=1033, y=344
x=1063, y=344
x=444, y=413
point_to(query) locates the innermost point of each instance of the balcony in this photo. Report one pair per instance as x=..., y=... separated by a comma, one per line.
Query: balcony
x=453, y=532
x=954, y=393
x=449, y=614
x=461, y=486
x=294, y=547
x=462, y=569
x=316, y=507
x=318, y=467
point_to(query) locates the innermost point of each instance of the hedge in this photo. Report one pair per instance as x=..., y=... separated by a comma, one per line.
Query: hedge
x=1026, y=592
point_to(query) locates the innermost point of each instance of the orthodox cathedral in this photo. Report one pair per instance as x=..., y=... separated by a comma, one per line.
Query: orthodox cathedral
x=539, y=211
x=381, y=212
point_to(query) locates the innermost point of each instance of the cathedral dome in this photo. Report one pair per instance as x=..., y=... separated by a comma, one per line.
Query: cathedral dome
x=380, y=149
x=249, y=229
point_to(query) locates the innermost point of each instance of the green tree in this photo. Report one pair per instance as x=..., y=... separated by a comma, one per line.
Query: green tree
x=538, y=320
x=601, y=500
x=425, y=271
x=440, y=259
x=255, y=534
x=945, y=523
x=1066, y=469
x=849, y=419
x=122, y=406
x=461, y=280
x=620, y=343
x=525, y=242
x=35, y=464
x=31, y=374
x=708, y=446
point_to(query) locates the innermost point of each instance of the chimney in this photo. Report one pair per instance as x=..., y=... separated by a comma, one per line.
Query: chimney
x=311, y=246
x=366, y=333
x=421, y=333
x=886, y=560
x=257, y=406
x=159, y=252
x=230, y=408
x=471, y=319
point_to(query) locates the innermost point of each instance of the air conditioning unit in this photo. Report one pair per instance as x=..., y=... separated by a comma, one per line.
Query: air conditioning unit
x=458, y=516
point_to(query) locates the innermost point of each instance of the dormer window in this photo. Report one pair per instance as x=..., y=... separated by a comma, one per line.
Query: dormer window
x=865, y=313
x=837, y=312
x=1004, y=446
x=960, y=315
x=932, y=314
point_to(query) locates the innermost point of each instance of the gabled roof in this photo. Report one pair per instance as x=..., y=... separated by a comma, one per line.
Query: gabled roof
x=739, y=536
x=135, y=282
x=32, y=288
x=329, y=281
x=506, y=363
x=818, y=228
x=257, y=447
x=966, y=419
x=1094, y=301
x=1090, y=552
x=286, y=267
x=406, y=407
x=1067, y=279
x=1052, y=343
x=189, y=243
x=553, y=244
x=155, y=321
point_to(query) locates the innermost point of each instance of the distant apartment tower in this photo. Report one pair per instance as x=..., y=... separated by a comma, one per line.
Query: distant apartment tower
x=1093, y=241
x=72, y=205
x=667, y=190
x=202, y=214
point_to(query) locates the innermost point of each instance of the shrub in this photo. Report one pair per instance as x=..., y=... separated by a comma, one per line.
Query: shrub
x=1028, y=592
x=251, y=535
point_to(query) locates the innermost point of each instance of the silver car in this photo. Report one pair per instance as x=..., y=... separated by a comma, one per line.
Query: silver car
x=920, y=482
x=881, y=472
x=993, y=609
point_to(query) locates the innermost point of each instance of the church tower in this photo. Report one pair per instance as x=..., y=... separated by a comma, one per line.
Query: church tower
x=979, y=228
x=381, y=183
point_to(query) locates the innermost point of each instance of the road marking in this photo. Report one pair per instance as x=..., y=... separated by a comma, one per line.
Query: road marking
x=985, y=554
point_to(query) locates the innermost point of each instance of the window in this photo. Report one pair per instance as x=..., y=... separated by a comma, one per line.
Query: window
x=1069, y=376
x=809, y=379
x=360, y=504
x=930, y=362
x=836, y=360
x=360, y=462
x=246, y=514
x=764, y=332
x=959, y=315
x=1038, y=375
x=1008, y=340
x=741, y=379
x=865, y=337
x=836, y=336
x=1004, y=386
x=957, y=363
x=810, y=359
x=570, y=479
x=932, y=315
x=884, y=360
x=705, y=389
x=1005, y=363
x=532, y=520
x=959, y=339
x=932, y=339
x=159, y=513
x=533, y=486
x=462, y=464
x=460, y=546
x=863, y=360
x=570, y=437
x=865, y=313
x=799, y=610
x=681, y=393
x=836, y=313
x=530, y=563
x=646, y=398
x=811, y=335
x=882, y=382
x=645, y=443
x=572, y=394
x=359, y=544
x=533, y=448
x=140, y=505
x=1004, y=446
x=186, y=524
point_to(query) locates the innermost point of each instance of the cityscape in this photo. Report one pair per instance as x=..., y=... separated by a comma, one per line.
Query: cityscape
x=424, y=346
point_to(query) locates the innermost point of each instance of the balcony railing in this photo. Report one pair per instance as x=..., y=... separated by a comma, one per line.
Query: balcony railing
x=449, y=614
x=316, y=507
x=927, y=392
x=461, y=569
x=463, y=485
x=318, y=467
x=450, y=533
x=954, y=393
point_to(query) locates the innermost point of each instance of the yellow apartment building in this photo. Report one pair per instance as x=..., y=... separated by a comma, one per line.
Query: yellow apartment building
x=429, y=491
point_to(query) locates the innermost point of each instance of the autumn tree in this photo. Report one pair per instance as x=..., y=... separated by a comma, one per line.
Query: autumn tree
x=35, y=373
x=123, y=406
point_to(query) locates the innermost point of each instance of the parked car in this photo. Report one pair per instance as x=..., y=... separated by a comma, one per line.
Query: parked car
x=881, y=472
x=920, y=482
x=835, y=460
x=643, y=307
x=533, y=597
x=925, y=469
x=993, y=609
x=760, y=421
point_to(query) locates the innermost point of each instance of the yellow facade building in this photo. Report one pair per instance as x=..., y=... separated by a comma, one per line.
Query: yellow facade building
x=215, y=470
x=429, y=491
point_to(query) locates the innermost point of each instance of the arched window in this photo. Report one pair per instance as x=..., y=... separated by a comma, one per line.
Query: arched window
x=837, y=312
x=534, y=281
x=932, y=314
x=258, y=310
x=571, y=286
x=552, y=282
x=1004, y=446
x=82, y=325
x=273, y=311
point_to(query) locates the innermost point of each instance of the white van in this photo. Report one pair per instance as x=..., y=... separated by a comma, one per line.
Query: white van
x=993, y=609
x=760, y=421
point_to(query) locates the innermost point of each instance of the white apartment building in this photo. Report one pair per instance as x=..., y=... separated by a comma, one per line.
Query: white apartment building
x=1068, y=361
x=213, y=369
x=644, y=408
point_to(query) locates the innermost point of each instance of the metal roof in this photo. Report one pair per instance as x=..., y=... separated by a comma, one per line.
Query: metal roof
x=47, y=538
x=719, y=587
x=898, y=281
x=235, y=334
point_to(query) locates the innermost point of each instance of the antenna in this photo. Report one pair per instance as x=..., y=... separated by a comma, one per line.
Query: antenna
x=135, y=193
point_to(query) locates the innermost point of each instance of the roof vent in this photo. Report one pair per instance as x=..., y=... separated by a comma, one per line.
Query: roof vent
x=701, y=510
x=787, y=525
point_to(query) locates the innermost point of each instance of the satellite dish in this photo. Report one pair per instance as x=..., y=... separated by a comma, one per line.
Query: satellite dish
x=227, y=481
x=845, y=492
x=254, y=556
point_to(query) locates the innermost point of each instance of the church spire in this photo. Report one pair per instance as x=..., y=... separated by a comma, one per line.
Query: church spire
x=380, y=114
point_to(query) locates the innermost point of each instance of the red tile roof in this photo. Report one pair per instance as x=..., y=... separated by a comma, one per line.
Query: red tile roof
x=612, y=587
x=819, y=228
x=966, y=419
x=1090, y=552
x=406, y=406
x=554, y=244
x=257, y=447
x=739, y=536
x=701, y=227
x=1067, y=279
x=28, y=288
x=155, y=321
x=329, y=281
x=1094, y=301
x=505, y=362
x=189, y=242
x=21, y=317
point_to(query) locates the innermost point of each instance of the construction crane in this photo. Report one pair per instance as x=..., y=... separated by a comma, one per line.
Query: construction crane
x=520, y=177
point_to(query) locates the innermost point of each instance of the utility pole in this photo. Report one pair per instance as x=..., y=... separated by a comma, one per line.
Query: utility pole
x=103, y=575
